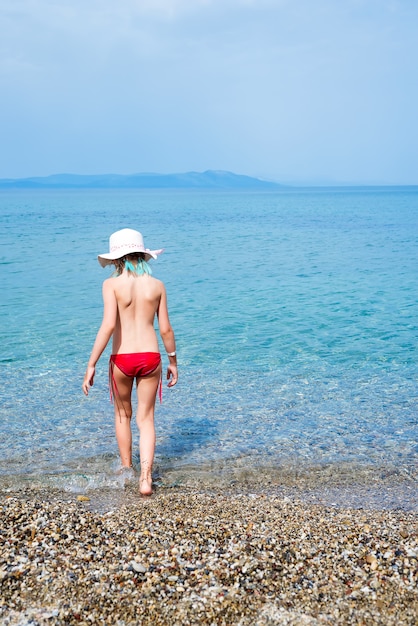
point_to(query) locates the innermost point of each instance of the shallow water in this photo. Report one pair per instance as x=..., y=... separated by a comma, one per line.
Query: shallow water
x=296, y=318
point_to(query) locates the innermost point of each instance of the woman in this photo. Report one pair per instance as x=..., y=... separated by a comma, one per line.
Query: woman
x=132, y=298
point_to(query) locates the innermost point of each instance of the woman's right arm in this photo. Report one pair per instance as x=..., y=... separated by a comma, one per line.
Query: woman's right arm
x=167, y=335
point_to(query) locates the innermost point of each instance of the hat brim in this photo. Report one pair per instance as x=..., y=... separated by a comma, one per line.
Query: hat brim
x=109, y=257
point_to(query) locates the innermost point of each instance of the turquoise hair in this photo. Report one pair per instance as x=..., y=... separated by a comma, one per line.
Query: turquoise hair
x=141, y=267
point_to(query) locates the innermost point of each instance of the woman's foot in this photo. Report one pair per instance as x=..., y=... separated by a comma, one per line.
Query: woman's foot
x=145, y=486
x=145, y=481
x=125, y=469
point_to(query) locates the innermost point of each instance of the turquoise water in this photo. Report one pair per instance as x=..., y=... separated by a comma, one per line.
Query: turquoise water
x=296, y=318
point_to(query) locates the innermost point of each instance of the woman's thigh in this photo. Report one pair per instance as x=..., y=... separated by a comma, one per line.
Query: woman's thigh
x=122, y=392
x=146, y=388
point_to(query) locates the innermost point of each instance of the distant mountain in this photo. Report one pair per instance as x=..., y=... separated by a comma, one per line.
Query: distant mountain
x=211, y=179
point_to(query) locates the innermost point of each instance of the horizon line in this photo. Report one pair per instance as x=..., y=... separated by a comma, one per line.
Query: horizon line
x=10, y=182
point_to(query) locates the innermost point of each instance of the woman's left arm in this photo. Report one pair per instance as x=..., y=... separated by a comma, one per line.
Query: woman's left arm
x=110, y=311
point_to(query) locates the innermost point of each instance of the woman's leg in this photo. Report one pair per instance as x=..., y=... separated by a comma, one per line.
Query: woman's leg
x=147, y=388
x=122, y=398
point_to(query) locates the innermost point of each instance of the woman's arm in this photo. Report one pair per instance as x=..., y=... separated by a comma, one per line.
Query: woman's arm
x=110, y=311
x=167, y=335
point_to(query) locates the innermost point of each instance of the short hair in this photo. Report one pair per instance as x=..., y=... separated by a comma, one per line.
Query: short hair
x=141, y=266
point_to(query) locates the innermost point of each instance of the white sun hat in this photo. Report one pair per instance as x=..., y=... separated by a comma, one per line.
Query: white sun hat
x=126, y=241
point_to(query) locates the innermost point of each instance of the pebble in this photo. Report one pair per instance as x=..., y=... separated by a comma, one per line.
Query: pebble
x=185, y=557
x=138, y=567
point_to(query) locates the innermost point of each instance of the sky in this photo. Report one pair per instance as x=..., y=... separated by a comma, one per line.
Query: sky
x=295, y=91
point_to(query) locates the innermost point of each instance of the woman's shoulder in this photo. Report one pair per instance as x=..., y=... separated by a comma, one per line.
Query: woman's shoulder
x=110, y=280
x=158, y=284
x=110, y=283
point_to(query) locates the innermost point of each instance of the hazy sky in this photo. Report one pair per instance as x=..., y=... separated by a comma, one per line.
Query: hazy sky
x=290, y=90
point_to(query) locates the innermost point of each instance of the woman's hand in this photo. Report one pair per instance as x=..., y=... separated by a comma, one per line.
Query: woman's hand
x=88, y=379
x=172, y=375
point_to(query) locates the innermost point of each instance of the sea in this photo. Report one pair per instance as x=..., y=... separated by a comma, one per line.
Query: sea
x=296, y=319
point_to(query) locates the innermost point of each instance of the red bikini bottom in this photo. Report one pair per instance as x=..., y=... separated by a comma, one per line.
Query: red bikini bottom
x=134, y=365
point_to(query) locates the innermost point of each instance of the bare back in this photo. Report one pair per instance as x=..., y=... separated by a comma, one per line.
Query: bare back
x=138, y=299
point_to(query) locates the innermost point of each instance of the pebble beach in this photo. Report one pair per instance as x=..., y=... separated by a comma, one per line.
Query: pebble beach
x=286, y=459
x=183, y=557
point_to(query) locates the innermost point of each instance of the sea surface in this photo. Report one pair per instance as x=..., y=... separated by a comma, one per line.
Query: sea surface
x=296, y=318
